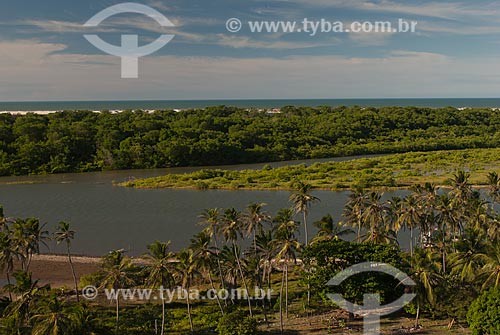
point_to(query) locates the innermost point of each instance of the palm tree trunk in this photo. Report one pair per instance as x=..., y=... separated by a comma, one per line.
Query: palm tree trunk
x=243, y=278
x=73, y=273
x=223, y=286
x=117, y=318
x=286, y=288
x=411, y=241
x=189, y=310
x=281, y=300
x=8, y=282
x=216, y=296
x=162, y=316
x=418, y=315
x=305, y=227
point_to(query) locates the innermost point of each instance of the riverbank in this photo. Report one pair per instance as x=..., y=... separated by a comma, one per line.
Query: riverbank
x=397, y=171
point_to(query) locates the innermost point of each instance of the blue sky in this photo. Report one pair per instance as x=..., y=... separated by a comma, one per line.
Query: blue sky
x=454, y=53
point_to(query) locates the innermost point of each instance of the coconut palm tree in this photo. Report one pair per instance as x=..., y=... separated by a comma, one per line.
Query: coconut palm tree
x=266, y=251
x=64, y=234
x=425, y=274
x=471, y=255
x=118, y=273
x=185, y=271
x=231, y=229
x=52, y=318
x=211, y=219
x=490, y=272
x=301, y=201
x=86, y=322
x=410, y=216
x=29, y=235
x=328, y=230
x=353, y=211
x=254, y=220
x=8, y=254
x=159, y=271
x=204, y=257
x=28, y=293
x=377, y=217
x=494, y=187
x=287, y=246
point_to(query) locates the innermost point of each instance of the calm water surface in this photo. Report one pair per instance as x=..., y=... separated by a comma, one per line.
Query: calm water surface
x=107, y=217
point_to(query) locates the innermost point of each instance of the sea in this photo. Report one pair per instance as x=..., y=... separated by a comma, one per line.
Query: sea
x=41, y=106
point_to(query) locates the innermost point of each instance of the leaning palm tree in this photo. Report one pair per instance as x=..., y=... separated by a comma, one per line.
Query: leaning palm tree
x=64, y=234
x=118, y=273
x=287, y=246
x=204, y=257
x=231, y=230
x=185, y=272
x=159, y=271
x=301, y=201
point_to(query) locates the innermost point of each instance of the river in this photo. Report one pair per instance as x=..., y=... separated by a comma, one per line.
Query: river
x=107, y=217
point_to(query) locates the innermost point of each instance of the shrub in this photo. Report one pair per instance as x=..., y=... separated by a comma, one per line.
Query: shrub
x=484, y=313
x=237, y=323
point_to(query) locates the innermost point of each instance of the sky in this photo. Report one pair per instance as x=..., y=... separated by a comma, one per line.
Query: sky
x=455, y=51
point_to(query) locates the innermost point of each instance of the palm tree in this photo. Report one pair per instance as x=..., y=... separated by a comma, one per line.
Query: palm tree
x=287, y=246
x=118, y=273
x=52, y=318
x=28, y=293
x=376, y=216
x=494, y=186
x=354, y=209
x=471, y=255
x=301, y=201
x=204, y=256
x=491, y=270
x=425, y=274
x=410, y=216
x=159, y=271
x=254, y=220
x=185, y=271
x=328, y=230
x=8, y=254
x=266, y=251
x=64, y=234
x=86, y=322
x=231, y=230
x=29, y=235
x=211, y=219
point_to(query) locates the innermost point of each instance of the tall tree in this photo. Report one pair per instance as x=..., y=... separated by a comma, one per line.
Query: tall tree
x=66, y=235
x=302, y=200
x=231, y=230
x=185, y=273
x=159, y=269
x=287, y=247
x=118, y=273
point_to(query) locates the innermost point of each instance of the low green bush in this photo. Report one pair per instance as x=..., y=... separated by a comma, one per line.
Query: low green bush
x=237, y=323
x=484, y=313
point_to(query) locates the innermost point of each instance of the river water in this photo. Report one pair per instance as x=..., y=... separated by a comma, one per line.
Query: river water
x=107, y=217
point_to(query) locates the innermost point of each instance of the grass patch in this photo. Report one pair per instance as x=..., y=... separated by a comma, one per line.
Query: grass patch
x=392, y=171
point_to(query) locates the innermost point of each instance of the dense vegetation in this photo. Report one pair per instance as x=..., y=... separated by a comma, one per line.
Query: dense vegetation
x=454, y=255
x=391, y=171
x=87, y=141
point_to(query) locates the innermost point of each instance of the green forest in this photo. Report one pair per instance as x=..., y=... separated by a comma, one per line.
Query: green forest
x=86, y=141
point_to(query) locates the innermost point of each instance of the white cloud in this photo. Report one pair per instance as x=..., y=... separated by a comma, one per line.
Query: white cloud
x=43, y=74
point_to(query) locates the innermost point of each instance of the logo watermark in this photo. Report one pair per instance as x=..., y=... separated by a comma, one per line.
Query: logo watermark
x=169, y=295
x=371, y=309
x=129, y=51
x=314, y=27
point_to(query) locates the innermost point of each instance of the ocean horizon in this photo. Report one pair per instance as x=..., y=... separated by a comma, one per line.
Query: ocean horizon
x=33, y=106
